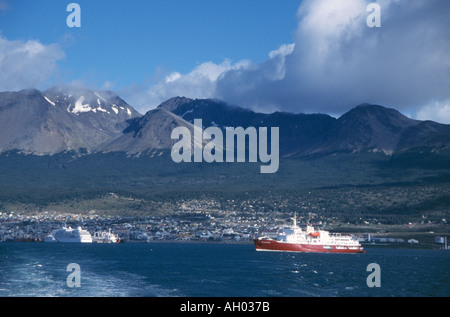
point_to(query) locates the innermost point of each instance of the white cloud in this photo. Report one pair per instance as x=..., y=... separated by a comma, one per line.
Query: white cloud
x=336, y=62
x=283, y=50
x=26, y=64
x=438, y=111
x=172, y=77
x=339, y=62
x=199, y=83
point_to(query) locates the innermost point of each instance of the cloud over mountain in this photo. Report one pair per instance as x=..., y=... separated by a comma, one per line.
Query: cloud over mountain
x=336, y=61
x=27, y=64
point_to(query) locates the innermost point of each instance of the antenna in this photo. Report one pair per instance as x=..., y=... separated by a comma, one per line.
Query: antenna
x=295, y=219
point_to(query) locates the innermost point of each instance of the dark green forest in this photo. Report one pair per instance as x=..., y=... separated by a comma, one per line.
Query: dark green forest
x=354, y=186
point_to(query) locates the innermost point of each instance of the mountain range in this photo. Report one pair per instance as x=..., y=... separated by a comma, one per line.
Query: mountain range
x=58, y=120
x=61, y=119
x=69, y=149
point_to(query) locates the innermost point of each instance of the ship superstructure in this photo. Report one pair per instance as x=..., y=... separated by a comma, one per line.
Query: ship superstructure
x=296, y=239
x=68, y=234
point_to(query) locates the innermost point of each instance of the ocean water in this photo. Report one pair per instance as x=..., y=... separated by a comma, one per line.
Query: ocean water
x=215, y=270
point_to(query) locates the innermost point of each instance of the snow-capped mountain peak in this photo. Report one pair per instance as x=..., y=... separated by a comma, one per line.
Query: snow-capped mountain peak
x=79, y=102
x=60, y=119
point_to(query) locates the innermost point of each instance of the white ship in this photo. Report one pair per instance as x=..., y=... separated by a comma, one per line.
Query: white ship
x=105, y=237
x=65, y=234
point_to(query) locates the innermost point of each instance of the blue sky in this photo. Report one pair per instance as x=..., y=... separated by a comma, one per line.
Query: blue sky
x=126, y=42
x=301, y=56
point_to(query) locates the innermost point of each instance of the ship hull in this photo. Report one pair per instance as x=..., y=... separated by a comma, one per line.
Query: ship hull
x=272, y=245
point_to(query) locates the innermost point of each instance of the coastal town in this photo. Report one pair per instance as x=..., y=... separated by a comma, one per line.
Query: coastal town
x=191, y=222
x=181, y=227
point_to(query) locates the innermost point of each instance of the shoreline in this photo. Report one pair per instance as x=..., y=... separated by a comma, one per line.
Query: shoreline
x=365, y=245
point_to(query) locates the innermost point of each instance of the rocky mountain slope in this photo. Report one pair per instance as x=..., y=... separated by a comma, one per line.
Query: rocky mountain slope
x=56, y=120
x=59, y=120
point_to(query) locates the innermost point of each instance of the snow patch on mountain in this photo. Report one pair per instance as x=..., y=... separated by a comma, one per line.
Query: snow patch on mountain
x=99, y=96
x=51, y=102
x=80, y=107
x=99, y=108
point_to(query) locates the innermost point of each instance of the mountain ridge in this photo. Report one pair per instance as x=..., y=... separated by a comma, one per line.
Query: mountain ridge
x=49, y=122
x=60, y=119
x=366, y=127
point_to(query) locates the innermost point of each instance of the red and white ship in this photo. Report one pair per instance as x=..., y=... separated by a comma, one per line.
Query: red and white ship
x=294, y=239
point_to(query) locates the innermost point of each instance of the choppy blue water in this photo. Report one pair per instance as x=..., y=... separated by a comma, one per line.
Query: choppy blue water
x=215, y=270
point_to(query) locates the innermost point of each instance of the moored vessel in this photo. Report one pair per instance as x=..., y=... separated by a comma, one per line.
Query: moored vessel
x=69, y=235
x=105, y=237
x=295, y=239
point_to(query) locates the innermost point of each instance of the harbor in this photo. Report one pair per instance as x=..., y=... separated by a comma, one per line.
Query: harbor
x=228, y=227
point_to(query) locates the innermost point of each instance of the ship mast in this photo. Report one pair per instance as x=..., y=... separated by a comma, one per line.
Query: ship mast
x=295, y=219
